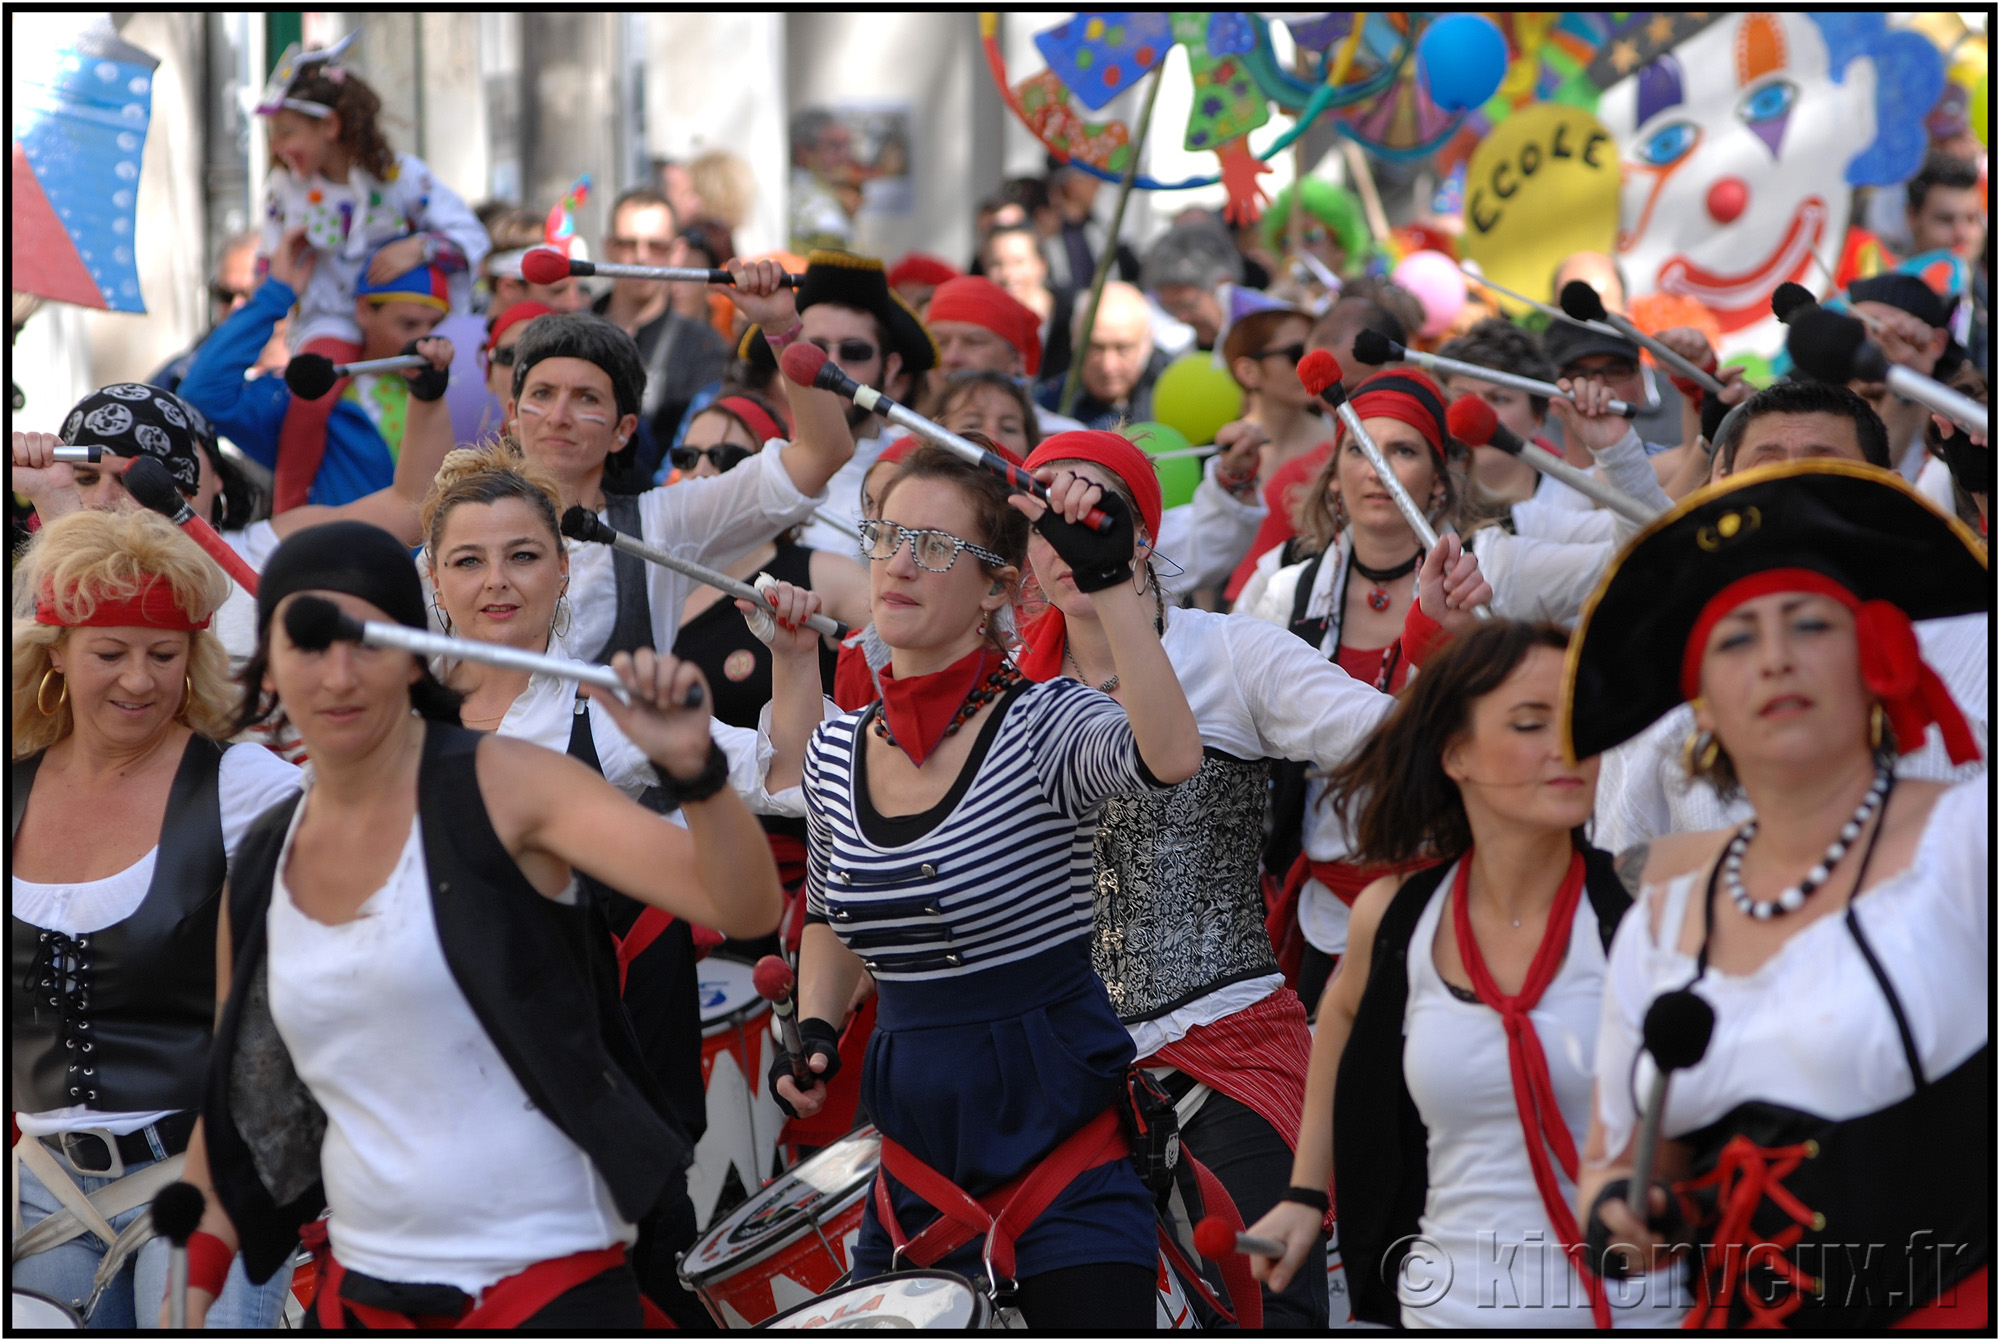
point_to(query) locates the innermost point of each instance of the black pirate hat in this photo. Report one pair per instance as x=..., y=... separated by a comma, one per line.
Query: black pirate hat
x=858, y=282
x=1862, y=528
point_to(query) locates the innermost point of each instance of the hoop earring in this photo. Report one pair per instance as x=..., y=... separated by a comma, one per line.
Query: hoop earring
x=1339, y=512
x=41, y=692
x=187, y=696
x=1699, y=753
x=439, y=611
x=563, y=621
x=1878, y=728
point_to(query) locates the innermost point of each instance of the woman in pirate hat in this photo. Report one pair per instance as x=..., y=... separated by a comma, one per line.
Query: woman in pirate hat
x=1840, y=936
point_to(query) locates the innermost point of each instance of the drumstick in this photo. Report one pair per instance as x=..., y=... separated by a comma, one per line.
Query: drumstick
x=1319, y=373
x=1473, y=423
x=1582, y=303
x=316, y=624
x=580, y=523
x=1376, y=348
x=808, y=365
x=80, y=454
x=1215, y=1238
x=177, y=1212
x=546, y=265
x=774, y=981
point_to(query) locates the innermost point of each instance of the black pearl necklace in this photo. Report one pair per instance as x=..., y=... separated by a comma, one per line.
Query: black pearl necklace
x=1793, y=898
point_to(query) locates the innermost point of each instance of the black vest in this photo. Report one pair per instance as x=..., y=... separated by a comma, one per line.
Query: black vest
x=1381, y=1169
x=119, y=1019
x=633, y=628
x=538, y=975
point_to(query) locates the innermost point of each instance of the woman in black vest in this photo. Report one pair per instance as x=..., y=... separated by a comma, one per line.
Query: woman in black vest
x=1462, y=1023
x=424, y=1035
x=1831, y=1150
x=125, y=811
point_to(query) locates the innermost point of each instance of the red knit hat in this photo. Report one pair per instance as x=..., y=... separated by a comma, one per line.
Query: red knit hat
x=920, y=268
x=980, y=302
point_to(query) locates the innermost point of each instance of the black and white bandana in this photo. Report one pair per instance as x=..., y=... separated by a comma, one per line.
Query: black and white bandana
x=136, y=420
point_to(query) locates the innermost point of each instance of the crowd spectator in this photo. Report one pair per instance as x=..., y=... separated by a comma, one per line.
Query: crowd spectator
x=1012, y=257
x=234, y=280
x=1120, y=364
x=1184, y=272
x=1072, y=238
x=513, y=234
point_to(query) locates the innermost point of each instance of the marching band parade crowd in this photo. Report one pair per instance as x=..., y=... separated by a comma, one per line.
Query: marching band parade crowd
x=793, y=803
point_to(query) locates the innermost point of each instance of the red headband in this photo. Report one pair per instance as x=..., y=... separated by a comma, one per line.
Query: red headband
x=980, y=302
x=762, y=425
x=1103, y=448
x=152, y=606
x=1892, y=664
x=1408, y=396
x=526, y=310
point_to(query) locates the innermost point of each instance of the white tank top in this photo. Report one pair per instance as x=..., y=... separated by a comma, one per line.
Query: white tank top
x=437, y=1166
x=1493, y=1260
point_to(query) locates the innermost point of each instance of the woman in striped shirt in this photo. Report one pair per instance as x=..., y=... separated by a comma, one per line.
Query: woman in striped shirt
x=950, y=833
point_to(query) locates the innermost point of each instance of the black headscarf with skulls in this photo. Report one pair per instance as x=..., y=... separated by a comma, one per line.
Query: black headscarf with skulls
x=136, y=420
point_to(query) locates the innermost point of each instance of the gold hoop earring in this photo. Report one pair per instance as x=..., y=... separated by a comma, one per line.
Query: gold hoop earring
x=187, y=695
x=1878, y=727
x=1699, y=752
x=42, y=689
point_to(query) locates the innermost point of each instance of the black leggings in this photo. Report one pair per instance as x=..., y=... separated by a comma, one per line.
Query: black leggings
x=1103, y=1297
x=1254, y=1165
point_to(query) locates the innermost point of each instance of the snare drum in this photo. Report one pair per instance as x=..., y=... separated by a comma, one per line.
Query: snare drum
x=32, y=1312
x=1174, y=1313
x=738, y=1152
x=791, y=1241
x=927, y=1301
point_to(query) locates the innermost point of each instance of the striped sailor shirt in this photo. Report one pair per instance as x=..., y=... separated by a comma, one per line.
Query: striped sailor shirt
x=1000, y=869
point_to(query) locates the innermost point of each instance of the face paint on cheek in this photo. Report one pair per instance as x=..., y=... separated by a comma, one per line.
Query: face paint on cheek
x=592, y=417
x=529, y=407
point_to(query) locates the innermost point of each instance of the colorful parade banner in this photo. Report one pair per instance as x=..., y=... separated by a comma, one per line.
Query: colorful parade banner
x=1542, y=185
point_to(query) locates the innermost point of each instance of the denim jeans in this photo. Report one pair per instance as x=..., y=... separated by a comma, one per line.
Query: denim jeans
x=133, y=1297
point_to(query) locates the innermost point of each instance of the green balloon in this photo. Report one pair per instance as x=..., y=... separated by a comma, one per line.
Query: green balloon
x=1196, y=397
x=1178, y=475
x=1757, y=369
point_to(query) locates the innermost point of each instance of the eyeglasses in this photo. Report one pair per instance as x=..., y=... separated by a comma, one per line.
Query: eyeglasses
x=501, y=358
x=224, y=296
x=727, y=456
x=847, y=351
x=1293, y=353
x=933, y=551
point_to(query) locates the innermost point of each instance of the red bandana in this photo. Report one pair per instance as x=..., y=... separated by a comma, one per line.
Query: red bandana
x=1534, y=1094
x=920, y=708
x=1892, y=663
x=151, y=606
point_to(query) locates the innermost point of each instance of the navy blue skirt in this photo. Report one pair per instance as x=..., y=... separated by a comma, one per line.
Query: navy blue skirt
x=980, y=1076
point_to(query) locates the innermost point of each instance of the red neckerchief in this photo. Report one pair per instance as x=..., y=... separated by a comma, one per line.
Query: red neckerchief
x=920, y=708
x=1534, y=1094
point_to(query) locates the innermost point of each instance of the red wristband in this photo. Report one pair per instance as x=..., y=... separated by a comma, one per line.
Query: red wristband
x=1422, y=635
x=208, y=1262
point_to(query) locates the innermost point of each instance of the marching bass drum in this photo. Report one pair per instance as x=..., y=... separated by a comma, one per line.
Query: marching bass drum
x=926, y=1301
x=29, y=1311
x=738, y=1152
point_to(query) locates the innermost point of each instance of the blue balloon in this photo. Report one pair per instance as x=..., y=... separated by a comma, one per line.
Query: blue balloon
x=1461, y=58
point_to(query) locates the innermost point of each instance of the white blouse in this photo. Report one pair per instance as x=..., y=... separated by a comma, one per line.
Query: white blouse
x=1810, y=1029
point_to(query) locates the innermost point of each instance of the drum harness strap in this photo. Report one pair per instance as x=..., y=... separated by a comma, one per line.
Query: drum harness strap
x=1003, y=1214
x=505, y=1305
x=91, y=1213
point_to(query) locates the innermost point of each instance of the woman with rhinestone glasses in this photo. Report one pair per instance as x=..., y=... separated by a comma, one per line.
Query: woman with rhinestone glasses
x=125, y=812
x=949, y=831
x=1839, y=938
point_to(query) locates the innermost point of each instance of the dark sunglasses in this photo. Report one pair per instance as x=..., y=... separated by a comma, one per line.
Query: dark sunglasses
x=501, y=358
x=727, y=456
x=848, y=351
x=1292, y=353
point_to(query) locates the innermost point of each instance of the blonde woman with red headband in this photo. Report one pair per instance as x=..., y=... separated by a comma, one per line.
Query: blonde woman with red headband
x=125, y=812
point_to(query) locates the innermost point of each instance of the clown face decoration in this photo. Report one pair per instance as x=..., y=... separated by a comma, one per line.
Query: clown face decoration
x=1740, y=147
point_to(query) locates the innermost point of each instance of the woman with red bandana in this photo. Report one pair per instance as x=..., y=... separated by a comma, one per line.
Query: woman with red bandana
x=1840, y=937
x=1180, y=936
x=949, y=831
x=1346, y=584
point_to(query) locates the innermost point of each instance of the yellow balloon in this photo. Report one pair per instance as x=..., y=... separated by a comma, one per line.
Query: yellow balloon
x=1542, y=185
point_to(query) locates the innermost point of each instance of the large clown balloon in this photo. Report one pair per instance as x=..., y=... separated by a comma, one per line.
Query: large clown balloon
x=1742, y=143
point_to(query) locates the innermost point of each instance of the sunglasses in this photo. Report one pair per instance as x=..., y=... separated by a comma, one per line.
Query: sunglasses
x=1293, y=353
x=501, y=358
x=847, y=352
x=933, y=551
x=225, y=296
x=652, y=246
x=726, y=456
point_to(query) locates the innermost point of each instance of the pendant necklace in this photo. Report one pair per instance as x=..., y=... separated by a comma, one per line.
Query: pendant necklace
x=1077, y=666
x=1378, y=595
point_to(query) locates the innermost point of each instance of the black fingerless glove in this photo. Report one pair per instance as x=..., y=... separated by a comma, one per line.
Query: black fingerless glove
x=1970, y=464
x=817, y=1038
x=429, y=383
x=1672, y=1227
x=1096, y=560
